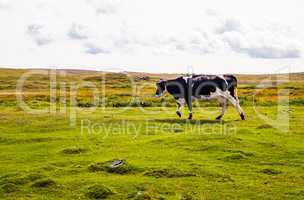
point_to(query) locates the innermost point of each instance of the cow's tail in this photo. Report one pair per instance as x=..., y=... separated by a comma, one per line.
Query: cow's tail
x=236, y=93
x=232, y=85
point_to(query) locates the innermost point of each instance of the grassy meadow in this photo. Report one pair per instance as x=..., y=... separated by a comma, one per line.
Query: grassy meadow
x=65, y=152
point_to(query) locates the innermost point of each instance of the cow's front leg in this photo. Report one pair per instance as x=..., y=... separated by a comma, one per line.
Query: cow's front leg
x=178, y=107
x=189, y=104
x=190, y=115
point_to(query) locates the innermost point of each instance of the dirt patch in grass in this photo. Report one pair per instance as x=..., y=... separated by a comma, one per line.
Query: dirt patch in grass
x=114, y=166
x=73, y=150
x=44, y=183
x=98, y=192
x=168, y=173
x=271, y=171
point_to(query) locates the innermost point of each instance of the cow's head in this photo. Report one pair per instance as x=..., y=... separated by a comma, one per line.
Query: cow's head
x=160, y=88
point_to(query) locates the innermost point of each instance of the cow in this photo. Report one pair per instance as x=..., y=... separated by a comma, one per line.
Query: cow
x=201, y=87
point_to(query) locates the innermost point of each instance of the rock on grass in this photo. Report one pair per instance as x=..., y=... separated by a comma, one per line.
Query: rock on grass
x=110, y=167
x=98, y=192
x=44, y=183
x=142, y=196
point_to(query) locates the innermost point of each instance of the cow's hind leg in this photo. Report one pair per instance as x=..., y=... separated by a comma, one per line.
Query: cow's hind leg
x=236, y=104
x=178, y=107
x=224, y=104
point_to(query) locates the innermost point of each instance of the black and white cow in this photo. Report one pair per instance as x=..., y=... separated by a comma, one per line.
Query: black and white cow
x=202, y=87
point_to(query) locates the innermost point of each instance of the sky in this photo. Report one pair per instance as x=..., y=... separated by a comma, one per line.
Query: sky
x=172, y=36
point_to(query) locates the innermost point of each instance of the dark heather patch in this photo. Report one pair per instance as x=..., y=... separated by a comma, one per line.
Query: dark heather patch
x=12, y=178
x=73, y=150
x=168, y=173
x=9, y=188
x=44, y=183
x=240, y=152
x=264, y=126
x=234, y=157
x=270, y=171
x=26, y=141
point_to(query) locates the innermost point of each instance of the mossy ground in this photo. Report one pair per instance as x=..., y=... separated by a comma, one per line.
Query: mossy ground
x=43, y=157
x=66, y=155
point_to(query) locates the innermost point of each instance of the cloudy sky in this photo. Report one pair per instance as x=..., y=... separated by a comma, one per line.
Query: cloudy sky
x=210, y=36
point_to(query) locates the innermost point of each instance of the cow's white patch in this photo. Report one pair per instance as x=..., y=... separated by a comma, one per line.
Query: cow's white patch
x=182, y=101
x=186, y=78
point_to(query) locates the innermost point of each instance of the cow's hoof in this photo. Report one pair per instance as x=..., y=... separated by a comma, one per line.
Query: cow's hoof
x=190, y=117
x=218, y=119
x=242, y=116
x=178, y=113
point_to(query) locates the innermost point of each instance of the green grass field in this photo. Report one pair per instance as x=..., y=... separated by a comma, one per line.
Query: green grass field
x=45, y=156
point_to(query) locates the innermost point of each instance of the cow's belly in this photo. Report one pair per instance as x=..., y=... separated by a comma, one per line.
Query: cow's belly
x=205, y=97
x=212, y=96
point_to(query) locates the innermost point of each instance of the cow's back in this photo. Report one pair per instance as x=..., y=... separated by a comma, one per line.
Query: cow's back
x=177, y=87
x=207, y=84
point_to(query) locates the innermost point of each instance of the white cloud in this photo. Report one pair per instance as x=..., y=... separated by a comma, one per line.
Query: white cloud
x=261, y=42
x=211, y=12
x=94, y=49
x=228, y=25
x=105, y=6
x=39, y=34
x=78, y=32
x=141, y=32
x=5, y=5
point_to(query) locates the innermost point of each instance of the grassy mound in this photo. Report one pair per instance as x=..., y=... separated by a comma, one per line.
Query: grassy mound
x=44, y=183
x=98, y=192
x=9, y=187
